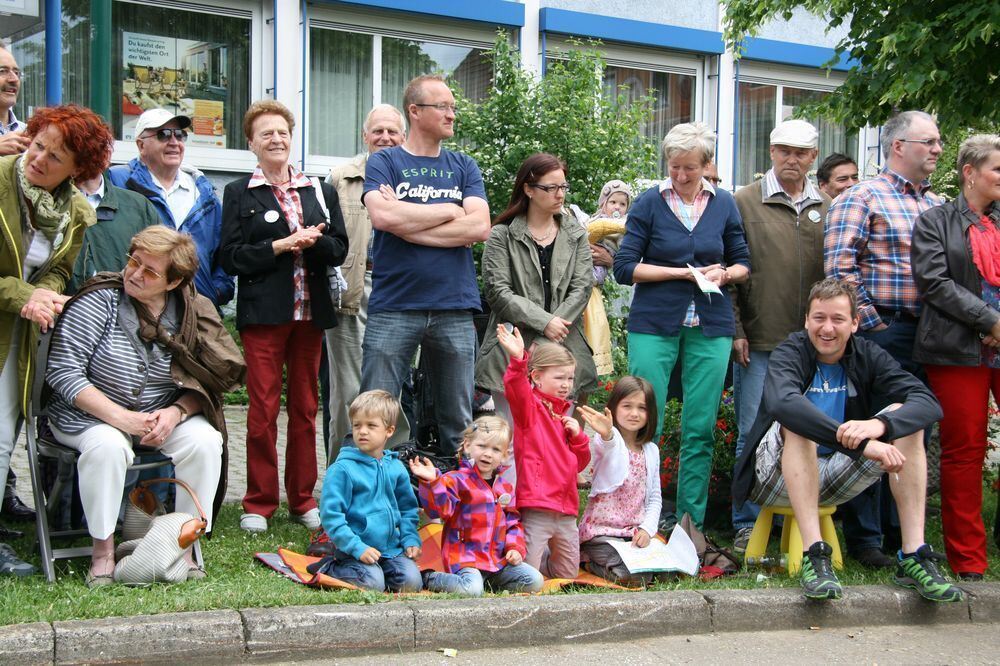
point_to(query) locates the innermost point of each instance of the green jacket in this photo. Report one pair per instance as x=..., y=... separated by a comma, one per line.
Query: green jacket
x=512, y=285
x=14, y=290
x=786, y=253
x=120, y=216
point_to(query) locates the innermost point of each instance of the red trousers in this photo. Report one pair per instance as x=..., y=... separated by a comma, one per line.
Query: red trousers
x=964, y=394
x=294, y=346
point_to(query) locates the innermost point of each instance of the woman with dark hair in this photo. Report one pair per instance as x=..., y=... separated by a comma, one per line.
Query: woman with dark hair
x=956, y=265
x=537, y=275
x=42, y=219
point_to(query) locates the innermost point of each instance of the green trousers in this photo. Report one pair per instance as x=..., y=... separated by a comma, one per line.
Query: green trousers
x=704, y=362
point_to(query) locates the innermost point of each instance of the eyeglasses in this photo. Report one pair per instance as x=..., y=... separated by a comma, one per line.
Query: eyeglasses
x=551, y=188
x=927, y=142
x=442, y=107
x=145, y=271
x=7, y=72
x=163, y=135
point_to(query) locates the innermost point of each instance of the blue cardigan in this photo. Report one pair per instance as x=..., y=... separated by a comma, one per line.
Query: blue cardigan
x=655, y=236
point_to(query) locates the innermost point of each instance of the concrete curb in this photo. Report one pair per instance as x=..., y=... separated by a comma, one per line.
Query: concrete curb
x=402, y=626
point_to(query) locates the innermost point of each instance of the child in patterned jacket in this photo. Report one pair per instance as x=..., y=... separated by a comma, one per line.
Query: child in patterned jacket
x=483, y=541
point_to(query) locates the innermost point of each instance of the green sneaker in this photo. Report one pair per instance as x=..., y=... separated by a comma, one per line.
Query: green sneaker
x=920, y=572
x=817, y=577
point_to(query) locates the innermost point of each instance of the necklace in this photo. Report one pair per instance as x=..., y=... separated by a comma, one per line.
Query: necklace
x=545, y=237
x=823, y=378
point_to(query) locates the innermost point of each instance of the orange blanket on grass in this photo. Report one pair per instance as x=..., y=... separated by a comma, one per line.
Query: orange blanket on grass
x=430, y=558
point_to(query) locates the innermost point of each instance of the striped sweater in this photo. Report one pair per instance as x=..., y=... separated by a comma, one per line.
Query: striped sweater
x=96, y=343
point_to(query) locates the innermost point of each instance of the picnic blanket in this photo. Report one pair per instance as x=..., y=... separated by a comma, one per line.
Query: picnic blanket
x=294, y=565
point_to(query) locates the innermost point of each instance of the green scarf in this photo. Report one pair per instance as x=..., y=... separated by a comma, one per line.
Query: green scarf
x=51, y=209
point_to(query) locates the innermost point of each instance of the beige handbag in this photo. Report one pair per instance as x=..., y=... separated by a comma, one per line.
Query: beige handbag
x=156, y=541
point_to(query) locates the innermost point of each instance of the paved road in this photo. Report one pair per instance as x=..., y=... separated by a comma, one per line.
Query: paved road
x=928, y=644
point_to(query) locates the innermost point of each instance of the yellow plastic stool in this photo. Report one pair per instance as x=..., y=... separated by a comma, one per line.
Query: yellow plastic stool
x=791, y=537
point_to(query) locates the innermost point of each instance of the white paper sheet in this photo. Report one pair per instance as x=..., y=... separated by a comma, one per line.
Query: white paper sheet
x=706, y=285
x=678, y=554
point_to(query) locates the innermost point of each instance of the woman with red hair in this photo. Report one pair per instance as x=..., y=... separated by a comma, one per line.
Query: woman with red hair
x=42, y=219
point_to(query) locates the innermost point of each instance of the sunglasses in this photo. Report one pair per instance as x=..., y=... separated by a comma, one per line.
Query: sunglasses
x=145, y=271
x=164, y=135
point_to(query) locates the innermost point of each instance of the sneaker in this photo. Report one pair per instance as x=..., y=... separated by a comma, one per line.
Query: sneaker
x=873, y=558
x=320, y=544
x=817, y=577
x=920, y=572
x=10, y=563
x=741, y=539
x=310, y=519
x=254, y=523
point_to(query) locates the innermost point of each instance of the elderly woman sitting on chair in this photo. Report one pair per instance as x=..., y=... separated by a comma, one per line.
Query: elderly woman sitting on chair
x=140, y=358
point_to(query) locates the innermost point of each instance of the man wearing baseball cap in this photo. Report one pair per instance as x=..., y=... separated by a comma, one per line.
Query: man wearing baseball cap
x=182, y=195
x=783, y=215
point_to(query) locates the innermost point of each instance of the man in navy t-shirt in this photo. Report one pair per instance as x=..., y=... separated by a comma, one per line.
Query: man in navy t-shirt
x=427, y=206
x=817, y=439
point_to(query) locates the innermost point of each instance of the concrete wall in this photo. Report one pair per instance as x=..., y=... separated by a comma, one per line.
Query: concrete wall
x=803, y=28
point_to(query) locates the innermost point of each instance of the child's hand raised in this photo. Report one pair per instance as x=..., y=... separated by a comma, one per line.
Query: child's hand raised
x=423, y=469
x=601, y=423
x=571, y=425
x=370, y=556
x=513, y=557
x=511, y=341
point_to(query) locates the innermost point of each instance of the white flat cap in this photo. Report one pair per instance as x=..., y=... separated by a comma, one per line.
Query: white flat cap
x=794, y=133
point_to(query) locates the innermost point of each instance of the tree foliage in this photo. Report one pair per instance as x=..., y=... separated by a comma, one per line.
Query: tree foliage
x=936, y=55
x=564, y=113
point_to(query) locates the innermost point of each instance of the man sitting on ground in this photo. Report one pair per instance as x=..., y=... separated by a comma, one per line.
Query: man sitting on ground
x=817, y=441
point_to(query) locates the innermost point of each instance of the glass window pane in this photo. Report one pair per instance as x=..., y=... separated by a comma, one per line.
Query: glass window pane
x=340, y=72
x=833, y=138
x=403, y=59
x=193, y=63
x=756, y=120
x=673, y=96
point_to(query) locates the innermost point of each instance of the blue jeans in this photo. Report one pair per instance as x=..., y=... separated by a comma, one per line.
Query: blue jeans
x=748, y=388
x=393, y=574
x=470, y=581
x=447, y=340
x=873, y=513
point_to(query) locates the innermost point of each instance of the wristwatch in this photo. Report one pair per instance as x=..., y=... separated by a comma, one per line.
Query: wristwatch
x=182, y=410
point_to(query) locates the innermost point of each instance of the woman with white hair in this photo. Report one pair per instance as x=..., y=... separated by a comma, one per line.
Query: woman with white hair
x=956, y=265
x=683, y=226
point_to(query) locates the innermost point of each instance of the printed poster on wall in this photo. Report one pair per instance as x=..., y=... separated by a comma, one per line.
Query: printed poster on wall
x=183, y=76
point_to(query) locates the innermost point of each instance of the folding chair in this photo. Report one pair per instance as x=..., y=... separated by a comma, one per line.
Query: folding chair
x=42, y=444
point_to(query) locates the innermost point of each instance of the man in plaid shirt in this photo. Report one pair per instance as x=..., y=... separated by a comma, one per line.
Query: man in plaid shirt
x=867, y=243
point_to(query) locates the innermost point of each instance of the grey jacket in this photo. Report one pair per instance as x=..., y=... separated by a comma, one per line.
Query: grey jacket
x=348, y=179
x=512, y=285
x=954, y=314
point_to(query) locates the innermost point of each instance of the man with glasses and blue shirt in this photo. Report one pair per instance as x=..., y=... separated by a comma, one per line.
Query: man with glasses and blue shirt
x=427, y=206
x=868, y=235
x=12, y=139
x=182, y=195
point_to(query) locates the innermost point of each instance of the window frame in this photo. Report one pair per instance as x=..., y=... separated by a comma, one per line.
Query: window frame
x=781, y=77
x=214, y=159
x=381, y=24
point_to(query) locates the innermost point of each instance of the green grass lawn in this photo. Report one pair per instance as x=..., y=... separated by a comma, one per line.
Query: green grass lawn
x=236, y=580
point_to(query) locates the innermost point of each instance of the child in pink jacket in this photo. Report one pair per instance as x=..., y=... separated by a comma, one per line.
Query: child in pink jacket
x=551, y=450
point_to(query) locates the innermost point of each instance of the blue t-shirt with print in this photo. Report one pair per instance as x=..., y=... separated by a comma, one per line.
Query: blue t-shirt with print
x=828, y=391
x=407, y=276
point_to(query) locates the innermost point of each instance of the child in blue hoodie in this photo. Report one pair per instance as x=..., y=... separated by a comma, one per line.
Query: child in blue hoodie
x=368, y=508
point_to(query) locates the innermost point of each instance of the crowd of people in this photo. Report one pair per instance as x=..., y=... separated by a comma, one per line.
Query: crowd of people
x=853, y=316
